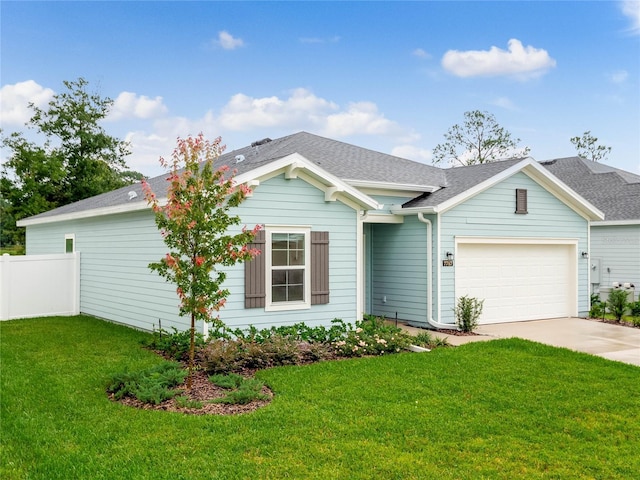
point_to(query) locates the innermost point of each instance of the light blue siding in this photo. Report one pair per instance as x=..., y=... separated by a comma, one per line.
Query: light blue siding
x=616, y=249
x=399, y=270
x=491, y=214
x=388, y=201
x=117, y=284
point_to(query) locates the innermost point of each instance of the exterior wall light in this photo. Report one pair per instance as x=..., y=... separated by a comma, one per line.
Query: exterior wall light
x=585, y=254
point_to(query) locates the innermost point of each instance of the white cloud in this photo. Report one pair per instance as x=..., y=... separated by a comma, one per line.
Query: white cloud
x=359, y=118
x=631, y=8
x=301, y=110
x=228, y=41
x=130, y=105
x=619, y=76
x=420, y=53
x=412, y=152
x=15, y=99
x=519, y=61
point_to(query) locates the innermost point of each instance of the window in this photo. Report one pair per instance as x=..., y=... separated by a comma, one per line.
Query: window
x=69, y=243
x=287, y=273
x=521, y=200
x=292, y=271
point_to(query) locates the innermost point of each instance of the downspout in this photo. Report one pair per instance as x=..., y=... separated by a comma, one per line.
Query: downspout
x=430, y=320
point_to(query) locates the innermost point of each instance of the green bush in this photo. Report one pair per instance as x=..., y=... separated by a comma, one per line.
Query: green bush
x=426, y=340
x=467, y=312
x=617, y=303
x=243, y=390
x=372, y=336
x=299, y=331
x=153, y=385
x=635, y=308
x=175, y=344
x=597, y=309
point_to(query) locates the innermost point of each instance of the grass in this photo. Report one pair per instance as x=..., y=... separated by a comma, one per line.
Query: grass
x=500, y=409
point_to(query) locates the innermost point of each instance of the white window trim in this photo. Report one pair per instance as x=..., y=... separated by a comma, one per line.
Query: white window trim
x=72, y=237
x=270, y=306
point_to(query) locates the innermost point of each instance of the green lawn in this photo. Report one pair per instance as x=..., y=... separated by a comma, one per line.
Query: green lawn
x=500, y=409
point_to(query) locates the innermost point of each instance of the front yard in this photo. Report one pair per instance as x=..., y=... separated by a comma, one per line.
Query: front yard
x=498, y=409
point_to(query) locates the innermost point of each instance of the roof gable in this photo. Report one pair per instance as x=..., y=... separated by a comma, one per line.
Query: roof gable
x=466, y=182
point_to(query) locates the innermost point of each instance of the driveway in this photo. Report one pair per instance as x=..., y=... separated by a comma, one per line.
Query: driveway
x=614, y=342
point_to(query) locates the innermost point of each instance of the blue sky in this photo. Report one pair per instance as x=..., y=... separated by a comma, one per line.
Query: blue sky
x=390, y=76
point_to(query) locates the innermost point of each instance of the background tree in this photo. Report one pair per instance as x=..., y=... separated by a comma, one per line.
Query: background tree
x=587, y=147
x=479, y=140
x=194, y=224
x=78, y=158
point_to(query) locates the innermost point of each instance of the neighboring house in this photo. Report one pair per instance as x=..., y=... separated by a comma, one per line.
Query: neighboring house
x=373, y=233
x=615, y=241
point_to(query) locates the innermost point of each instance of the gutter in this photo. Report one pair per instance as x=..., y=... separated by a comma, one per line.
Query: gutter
x=430, y=320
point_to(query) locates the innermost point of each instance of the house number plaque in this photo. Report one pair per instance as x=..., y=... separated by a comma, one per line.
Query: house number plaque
x=447, y=263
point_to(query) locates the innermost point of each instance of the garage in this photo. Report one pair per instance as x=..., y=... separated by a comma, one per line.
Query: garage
x=518, y=281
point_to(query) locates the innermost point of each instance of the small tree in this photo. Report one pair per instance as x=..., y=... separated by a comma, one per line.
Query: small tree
x=194, y=224
x=587, y=147
x=617, y=303
x=479, y=140
x=467, y=312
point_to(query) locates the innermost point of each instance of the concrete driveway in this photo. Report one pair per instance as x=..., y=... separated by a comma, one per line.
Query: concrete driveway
x=614, y=342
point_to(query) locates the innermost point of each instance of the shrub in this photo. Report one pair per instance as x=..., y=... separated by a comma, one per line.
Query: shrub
x=243, y=390
x=597, y=309
x=467, y=312
x=174, y=345
x=186, y=402
x=635, y=308
x=372, y=336
x=425, y=339
x=153, y=385
x=617, y=302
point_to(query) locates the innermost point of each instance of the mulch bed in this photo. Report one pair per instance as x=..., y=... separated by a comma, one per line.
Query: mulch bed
x=624, y=323
x=457, y=333
x=204, y=391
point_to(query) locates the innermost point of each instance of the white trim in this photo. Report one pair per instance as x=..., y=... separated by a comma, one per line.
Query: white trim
x=517, y=240
x=615, y=223
x=360, y=265
x=399, y=187
x=270, y=306
x=94, y=212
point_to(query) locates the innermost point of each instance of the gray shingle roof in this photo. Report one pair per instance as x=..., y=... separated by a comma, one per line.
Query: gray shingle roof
x=459, y=180
x=616, y=192
x=345, y=161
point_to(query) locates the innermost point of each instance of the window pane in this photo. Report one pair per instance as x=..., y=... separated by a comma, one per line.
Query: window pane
x=279, y=241
x=296, y=293
x=279, y=294
x=279, y=277
x=68, y=245
x=279, y=258
x=296, y=257
x=296, y=277
x=296, y=240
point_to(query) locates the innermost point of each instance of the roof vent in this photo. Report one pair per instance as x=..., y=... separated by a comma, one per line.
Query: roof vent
x=132, y=195
x=239, y=158
x=257, y=143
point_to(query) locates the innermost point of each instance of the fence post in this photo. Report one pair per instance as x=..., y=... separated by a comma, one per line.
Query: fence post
x=76, y=283
x=5, y=285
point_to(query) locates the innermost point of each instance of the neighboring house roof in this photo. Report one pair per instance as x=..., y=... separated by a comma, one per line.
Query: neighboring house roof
x=616, y=192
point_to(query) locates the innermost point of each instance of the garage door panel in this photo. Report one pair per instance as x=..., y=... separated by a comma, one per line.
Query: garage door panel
x=518, y=281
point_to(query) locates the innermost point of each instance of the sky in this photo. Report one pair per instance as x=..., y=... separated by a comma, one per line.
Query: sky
x=388, y=76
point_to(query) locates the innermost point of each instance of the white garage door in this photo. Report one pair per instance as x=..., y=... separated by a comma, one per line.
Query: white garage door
x=518, y=281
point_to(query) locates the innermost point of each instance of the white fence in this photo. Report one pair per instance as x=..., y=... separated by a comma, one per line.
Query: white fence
x=39, y=285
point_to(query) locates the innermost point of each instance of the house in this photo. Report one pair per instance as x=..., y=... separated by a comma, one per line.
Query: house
x=372, y=233
x=615, y=241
